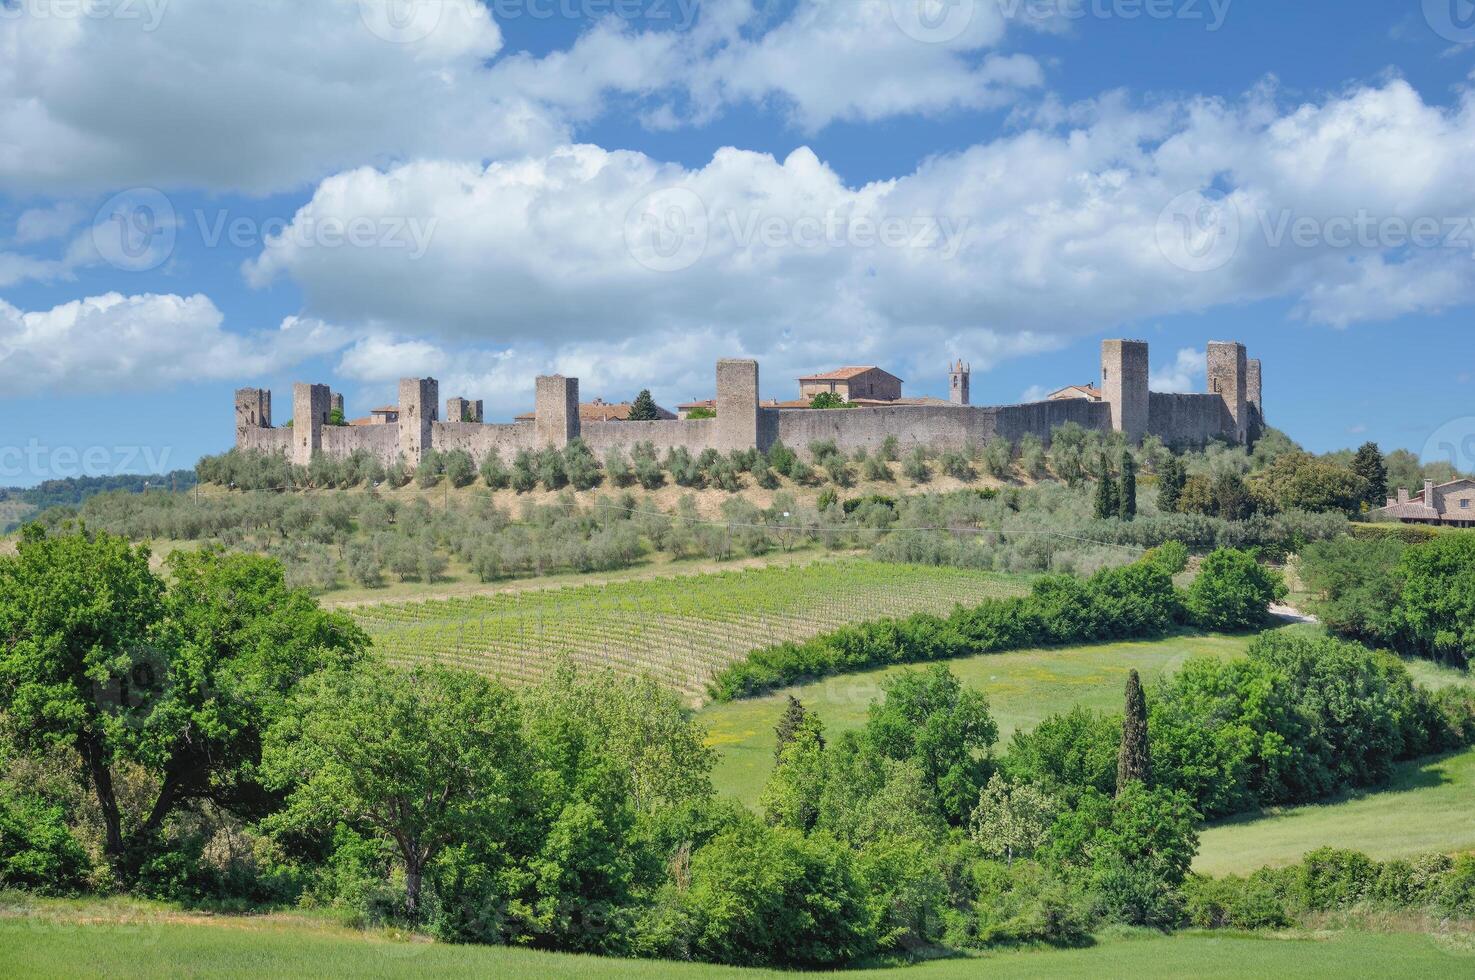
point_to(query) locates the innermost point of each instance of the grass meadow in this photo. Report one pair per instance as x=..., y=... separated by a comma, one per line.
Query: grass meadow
x=124, y=940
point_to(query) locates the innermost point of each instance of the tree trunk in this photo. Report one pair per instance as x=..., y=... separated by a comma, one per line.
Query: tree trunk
x=414, y=873
x=102, y=783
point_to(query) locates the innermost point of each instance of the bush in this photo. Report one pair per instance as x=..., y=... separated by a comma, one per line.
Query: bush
x=763, y=896
x=493, y=473
x=915, y=468
x=37, y=850
x=1233, y=902
x=1025, y=902
x=1233, y=591
x=460, y=470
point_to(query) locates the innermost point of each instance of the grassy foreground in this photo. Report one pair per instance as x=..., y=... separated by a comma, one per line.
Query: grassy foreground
x=1023, y=687
x=1429, y=806
x=124, y=940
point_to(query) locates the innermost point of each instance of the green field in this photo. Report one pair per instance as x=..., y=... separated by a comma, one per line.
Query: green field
x=89, y=940
x=1430, y=806
x=680, y=630
x=1023, y=687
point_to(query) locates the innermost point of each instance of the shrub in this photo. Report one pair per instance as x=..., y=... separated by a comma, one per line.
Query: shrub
x=915, y=468
x=1232, y=591
x=763, y=896
x=1233, y=902
x=37, y=849
x=493, y=473
x=875, y=468
x=956, y=465
x=460, y=470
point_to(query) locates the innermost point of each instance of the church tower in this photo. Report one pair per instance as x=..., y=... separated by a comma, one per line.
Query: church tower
x=959, y=375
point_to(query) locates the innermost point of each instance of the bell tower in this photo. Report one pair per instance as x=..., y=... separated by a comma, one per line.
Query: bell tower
x=959, y=374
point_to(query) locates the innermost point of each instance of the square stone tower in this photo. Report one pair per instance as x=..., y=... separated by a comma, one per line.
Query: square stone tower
x=463, y=410
x=253, y=409
x=959, y=375
x=1124, y=386
x=737, y=405
x=556, y=410
x=1252, y=389
x=1229, y=378
x=418, y=401
x=310, y=407
x=335, y=404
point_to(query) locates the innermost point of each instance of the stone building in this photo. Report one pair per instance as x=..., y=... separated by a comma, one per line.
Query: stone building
x=853, y=384
x=1230, y=410
x=1448, y=504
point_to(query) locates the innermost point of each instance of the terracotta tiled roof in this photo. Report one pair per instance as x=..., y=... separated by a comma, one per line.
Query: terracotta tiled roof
x=845, y=374
x=1077, y=391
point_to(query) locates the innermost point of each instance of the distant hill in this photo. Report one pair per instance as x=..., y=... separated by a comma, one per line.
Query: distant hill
x=16, y=503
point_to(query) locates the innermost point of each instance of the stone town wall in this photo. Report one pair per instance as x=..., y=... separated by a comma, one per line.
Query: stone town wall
x=478, y=439
x=693, y=435
x=382, y=441
x=1188, y=420
x=1229, y=410
x=935, y=426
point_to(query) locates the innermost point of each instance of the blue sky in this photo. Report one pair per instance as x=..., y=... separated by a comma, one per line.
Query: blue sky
x=198, y=195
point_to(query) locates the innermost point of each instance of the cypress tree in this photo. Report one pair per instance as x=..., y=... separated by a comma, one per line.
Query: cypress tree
x=794, y=718
x=1368, y=464
x=1127, y=495
x=1170, y=483
x=1134, y=759
x=1106, y=493
x=643, y=408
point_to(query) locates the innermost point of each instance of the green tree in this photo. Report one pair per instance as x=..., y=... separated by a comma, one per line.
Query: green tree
x=1170, y=480
x=762, y=896
x=929, y=718
x=102, y=659
x=1127, y=494
x=1233, y=591
x=1134, y=758
x=1012, y=820
x=1436, y=605
x=829, y=399
x=643, y=408
x=1107, y=501
x=1368, y=464
x=425, y=759
x=794, y=718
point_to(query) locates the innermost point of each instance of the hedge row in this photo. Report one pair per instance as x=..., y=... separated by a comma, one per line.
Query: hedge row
x=1407, y=533
x=1332, y=880
x=1132, y=602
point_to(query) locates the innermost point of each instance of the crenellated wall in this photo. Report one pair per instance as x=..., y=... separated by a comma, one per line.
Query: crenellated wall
x=1231, y=411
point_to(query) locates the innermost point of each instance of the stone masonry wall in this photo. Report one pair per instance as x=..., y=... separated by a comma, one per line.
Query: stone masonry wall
x=1180, y=420
x=1188, y=420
